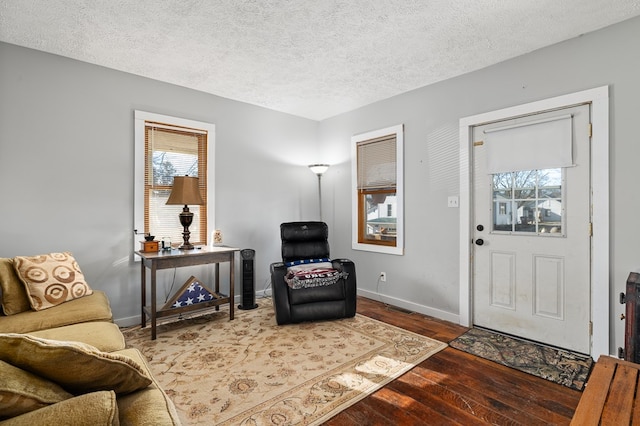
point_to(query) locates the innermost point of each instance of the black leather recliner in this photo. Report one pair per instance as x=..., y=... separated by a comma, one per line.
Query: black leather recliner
x=308, y=240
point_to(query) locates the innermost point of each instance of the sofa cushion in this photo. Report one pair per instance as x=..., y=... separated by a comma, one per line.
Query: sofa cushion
x=104, y=336
x=21, y=391
x=51, y=279
x=14, y=295
x=149, y=406
x=96, y=408
x=90, y=308
x=77, y=367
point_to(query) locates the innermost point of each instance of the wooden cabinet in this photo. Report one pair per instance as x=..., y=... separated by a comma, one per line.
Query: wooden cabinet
x=631, y=299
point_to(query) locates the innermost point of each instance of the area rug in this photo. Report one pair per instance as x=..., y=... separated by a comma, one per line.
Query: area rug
x=556, y=365
x=250, y=371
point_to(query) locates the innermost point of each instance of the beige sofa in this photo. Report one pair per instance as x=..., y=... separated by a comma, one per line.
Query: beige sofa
x=67, y=364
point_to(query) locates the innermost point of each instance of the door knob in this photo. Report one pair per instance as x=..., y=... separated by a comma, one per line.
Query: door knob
x=479, y=242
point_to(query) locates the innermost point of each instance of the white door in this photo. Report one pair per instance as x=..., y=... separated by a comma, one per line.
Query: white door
x=532, y=237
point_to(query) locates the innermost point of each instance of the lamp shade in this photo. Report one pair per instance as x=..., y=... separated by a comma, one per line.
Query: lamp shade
x=318, y=168
x=185, y=191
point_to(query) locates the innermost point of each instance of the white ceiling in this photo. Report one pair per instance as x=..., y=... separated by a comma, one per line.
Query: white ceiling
x=312, y=58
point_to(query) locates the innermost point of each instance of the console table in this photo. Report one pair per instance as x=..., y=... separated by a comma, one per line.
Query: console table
x=177, y=259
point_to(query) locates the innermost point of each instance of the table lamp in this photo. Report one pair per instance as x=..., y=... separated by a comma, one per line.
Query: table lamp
x=185, y=191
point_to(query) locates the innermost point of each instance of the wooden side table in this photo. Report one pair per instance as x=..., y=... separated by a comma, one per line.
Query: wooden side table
x=176, y=259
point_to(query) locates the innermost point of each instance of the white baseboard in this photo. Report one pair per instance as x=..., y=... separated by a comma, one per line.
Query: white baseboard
x=128, y=321
x=425, y=310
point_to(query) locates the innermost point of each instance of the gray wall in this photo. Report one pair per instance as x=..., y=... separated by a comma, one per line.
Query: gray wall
x=426, y=277
x=66, y=168
x=75, y=193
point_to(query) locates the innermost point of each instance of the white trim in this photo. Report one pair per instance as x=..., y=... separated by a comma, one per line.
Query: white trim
x=138, y=170
x=412, y=306
x=398, y=249
x=599, y=99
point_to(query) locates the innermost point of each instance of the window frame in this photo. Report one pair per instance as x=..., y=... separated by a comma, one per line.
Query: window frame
x=357, y=197
x=140, y=118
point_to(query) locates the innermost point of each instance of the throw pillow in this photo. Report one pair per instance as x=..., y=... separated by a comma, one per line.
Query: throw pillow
x=14, y=295
x=96, y=408
x=51, y=279
x=21, y=391
x=77, y=367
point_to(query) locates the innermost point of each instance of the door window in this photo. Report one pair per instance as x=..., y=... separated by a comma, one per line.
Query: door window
x=529, y=201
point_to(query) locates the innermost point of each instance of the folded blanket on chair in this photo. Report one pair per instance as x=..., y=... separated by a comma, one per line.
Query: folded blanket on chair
x=312, y=275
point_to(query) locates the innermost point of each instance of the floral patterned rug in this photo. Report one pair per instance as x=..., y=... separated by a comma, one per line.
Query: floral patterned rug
x=556, y=365
x=250, y=371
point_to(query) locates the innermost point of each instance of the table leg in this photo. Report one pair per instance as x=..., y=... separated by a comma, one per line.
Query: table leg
x=216, y=278
x=143, y=293
x=232, y=284
x=153, y=301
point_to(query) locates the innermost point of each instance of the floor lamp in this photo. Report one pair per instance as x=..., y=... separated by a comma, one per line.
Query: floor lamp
x=319, y=169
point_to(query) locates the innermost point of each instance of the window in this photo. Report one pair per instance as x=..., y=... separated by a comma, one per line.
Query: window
x=529, y=201
x=168, y=147
x=377, y=191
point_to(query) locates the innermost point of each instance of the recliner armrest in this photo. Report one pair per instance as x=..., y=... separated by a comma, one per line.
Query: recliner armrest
x=279, y=293
x=350, y=288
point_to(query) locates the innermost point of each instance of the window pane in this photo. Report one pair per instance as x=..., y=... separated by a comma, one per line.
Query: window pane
x=525, y=179
x=525, y=193
x=164, y=220
x=166, y=165
x=503, y=215
x=502, y=194
x=532, y=204
x=380, y=222
x=526, y=216
x=550, y=217
x=502, y=181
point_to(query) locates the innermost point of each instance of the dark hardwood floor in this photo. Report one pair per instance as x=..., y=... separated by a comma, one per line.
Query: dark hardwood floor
x=453, y=387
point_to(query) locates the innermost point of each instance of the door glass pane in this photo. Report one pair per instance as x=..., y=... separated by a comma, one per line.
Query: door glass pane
x=528, y=201
x=503, y=215
x=550, y=206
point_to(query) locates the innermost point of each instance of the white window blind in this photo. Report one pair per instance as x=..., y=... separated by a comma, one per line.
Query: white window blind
x=540, y=144
x=377, y=163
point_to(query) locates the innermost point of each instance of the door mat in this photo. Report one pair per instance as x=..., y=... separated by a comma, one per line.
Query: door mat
x=557, y=365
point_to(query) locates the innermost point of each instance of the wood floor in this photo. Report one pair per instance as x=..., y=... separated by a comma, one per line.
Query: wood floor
x=453, y=387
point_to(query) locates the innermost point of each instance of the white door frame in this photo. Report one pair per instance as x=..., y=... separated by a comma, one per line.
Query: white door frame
x=599, y=99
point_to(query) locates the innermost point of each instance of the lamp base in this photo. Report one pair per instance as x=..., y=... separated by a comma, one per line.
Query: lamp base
x=186, y=217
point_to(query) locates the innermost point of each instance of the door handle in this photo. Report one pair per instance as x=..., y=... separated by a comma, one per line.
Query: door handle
x=479, y=242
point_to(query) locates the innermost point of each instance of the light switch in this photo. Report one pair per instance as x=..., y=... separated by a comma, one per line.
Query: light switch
x=453, y=201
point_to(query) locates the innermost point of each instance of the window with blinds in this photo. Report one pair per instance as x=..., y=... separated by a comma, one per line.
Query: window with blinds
x=377, y=197
x=173, y=151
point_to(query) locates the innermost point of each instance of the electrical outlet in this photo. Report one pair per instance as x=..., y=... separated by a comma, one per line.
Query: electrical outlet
x=383, y=277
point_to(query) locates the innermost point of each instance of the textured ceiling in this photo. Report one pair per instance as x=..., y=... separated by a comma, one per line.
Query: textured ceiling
x=312, y=58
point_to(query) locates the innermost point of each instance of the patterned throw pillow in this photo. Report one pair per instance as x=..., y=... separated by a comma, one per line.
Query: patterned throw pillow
x=51, y=279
